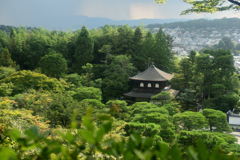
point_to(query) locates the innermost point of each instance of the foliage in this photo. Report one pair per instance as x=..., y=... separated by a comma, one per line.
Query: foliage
x=163, y=97
x=223, y=102
x=188, y=138
x=5, y=59
x=6, y=71
x=228, y=138
x=211, y=139
x=23, y=80
x=94, y=103
x=167, y=131
x=60, y=108
x=189, y=120
x=171, y=109
x=188, y=99
x=207, y=78
x=208, y=6
x=162, y=53
x=21, y=119
x=142, y=114
x=204, y=66
x=6, y=89
x=145, y=108
x=105, y=53
x=135, y=147
x=88, y=69
x=87, y=93
x=121, y=64
x=37, y=101
x=146, y=129
x=216, y=119
x=53, y=65
x=73, y=79
x=114, y=86
x=116, y=54
x=226, y=43
x=120, y=106
x=55, y=107
x=84, y=50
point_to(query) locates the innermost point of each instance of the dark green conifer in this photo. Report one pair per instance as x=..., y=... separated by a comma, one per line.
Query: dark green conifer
x=84, y=50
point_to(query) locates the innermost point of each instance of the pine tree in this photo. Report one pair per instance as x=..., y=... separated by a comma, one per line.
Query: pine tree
x=137, y=57
x=12, y=32
x=147, y=51
x=163, y=57
x=123, y=43
x=84, y=50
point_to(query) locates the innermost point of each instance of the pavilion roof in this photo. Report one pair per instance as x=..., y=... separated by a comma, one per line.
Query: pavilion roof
x=152, y=74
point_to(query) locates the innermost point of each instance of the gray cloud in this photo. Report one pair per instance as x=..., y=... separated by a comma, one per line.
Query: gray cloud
x=55, y=12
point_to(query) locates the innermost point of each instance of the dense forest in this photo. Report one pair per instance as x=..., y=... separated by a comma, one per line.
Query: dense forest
x=61, y=97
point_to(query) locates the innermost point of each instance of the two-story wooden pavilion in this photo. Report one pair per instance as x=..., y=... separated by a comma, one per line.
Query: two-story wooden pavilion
x=149, y=83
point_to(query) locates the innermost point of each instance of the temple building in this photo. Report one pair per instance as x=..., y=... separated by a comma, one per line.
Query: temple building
x=149, y=83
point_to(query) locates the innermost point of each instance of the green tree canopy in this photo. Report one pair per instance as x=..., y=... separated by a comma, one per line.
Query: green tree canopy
x=74, y=79
x=23, y=80
x=5, y=59
x=189, y=120
x=163, y=57
x=89, y=74
x=6, y=71
x=216, y=119
x=114, y=86
x=226, y=43
x=88, y=93
x=84, y=50
x=53, y=65
x=163, y=97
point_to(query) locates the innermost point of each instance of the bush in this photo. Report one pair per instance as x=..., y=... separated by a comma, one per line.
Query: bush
x=23, y=80
x=87, y=93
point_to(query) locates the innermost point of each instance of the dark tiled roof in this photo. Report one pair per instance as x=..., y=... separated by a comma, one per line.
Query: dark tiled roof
x=153, y=74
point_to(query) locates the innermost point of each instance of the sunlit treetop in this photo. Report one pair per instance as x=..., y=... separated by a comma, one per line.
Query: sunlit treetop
x=208, y=6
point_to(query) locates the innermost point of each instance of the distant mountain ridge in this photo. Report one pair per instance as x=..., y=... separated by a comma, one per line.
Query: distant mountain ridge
x=224, y=23
x=94, y=22
x=76, y=22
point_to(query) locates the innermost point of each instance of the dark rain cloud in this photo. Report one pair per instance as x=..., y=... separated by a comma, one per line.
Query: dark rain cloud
x=52, y=13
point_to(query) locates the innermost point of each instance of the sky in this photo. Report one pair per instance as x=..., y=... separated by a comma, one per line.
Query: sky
x=41, y=12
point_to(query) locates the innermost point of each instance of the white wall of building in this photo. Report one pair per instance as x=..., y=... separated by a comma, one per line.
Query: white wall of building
x=234, y=120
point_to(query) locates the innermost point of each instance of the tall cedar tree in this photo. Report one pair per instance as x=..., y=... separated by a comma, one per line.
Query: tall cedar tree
x=163, y=56
x=20, y=50
x=137, y=57
x=224, y=67
x=4, y=41
x=12, y=41
x=204, y=67
x=186, y=68
x=84, y=50
x=147, y=51
x=40, y=44
x=124, y=41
